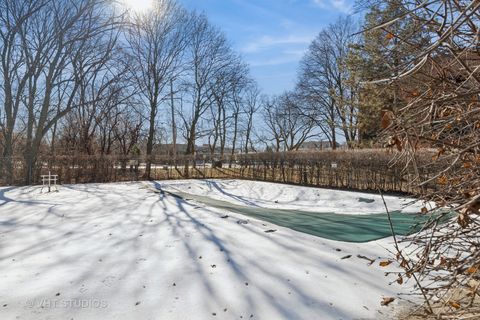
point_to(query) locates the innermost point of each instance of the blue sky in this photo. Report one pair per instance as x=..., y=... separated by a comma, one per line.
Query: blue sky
x=271, y=35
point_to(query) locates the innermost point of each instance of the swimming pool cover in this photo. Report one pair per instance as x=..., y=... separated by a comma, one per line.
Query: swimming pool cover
x=333, y=226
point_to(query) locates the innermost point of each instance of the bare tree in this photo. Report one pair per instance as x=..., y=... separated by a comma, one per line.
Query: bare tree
x=239, y=99
x=227, y=94
x=127, y=130
x=288, y=125
x=50, y=47
x=251, y=105
x=271, y=117
x=209, y=56
x=14, y=71
x=157, y=41
x=98, y=71
x=324, y=82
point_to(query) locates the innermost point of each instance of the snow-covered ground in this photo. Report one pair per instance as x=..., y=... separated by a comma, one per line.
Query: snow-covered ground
x=276, y=196
x=124, y=251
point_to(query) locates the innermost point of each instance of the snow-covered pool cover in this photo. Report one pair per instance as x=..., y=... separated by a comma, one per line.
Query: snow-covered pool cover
x=262, y=201
x=334, y=226
x=121, y=251
x=282, y=196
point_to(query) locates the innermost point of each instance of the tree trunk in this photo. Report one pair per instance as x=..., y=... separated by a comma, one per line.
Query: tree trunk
x=234, y=140
x=8, y=157
x=174, y=127
x=151, y=136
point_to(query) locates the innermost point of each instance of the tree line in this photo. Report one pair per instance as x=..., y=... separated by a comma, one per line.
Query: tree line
x=87, y=77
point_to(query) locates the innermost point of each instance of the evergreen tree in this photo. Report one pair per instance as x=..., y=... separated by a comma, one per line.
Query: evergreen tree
x=381, y=54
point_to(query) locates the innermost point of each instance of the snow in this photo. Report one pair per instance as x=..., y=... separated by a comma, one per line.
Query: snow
x=276, y=196
x=124, y=251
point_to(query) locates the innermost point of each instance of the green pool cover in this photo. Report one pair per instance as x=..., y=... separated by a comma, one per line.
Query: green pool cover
x=340, y=227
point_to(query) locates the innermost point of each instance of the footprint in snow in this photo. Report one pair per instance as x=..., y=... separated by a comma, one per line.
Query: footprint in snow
x=108, y=281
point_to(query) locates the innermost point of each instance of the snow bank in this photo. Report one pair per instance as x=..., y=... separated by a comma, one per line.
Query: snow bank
x=276, y=196
x=122, y=251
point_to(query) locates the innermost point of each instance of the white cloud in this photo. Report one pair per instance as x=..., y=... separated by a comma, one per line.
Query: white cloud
x=342, y=5
x=283, y=57
x=268, y=42
x=339, y=5
x=321, y=3
x=274, y=62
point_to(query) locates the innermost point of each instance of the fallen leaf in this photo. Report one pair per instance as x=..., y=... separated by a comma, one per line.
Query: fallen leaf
x=443, y=261
x=467, y=165
x=454, y=304
x=385, y=263
x=400, y=279
x=386, y=301
x=463, y=220
x=442, y=180
x=387, y=118
x=472, y=269
x=389, y=36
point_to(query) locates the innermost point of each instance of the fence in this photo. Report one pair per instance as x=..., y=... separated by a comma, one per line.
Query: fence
x=359, y=169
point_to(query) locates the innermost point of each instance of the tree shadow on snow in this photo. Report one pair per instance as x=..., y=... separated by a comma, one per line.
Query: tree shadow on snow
x=130, y=241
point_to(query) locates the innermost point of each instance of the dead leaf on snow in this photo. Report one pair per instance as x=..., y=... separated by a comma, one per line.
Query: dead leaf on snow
x=385, y=263
x=386, y=301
